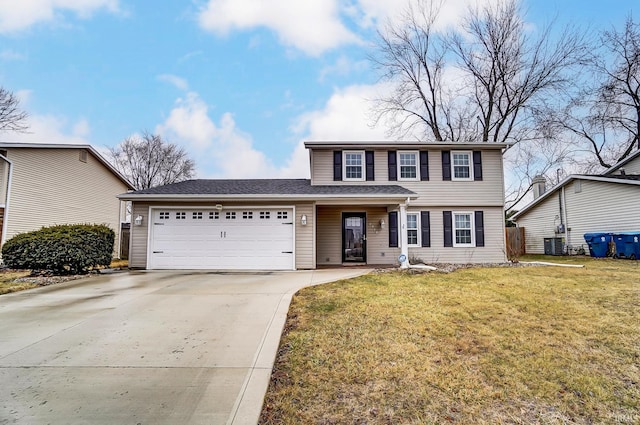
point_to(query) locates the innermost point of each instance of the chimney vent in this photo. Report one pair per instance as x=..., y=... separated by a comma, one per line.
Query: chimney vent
x=539, y=186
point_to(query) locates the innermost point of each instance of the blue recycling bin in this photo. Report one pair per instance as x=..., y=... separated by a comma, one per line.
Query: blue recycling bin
x=598, y=244
x=627, y=245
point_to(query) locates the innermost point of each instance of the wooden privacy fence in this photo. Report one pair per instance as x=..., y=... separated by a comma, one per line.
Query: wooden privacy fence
x=515, y=241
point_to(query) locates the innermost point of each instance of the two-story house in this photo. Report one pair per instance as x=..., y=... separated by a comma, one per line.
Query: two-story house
x=45, y=184
x=366, y=203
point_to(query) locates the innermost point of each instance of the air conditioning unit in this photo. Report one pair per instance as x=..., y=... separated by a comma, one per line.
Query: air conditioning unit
x=553, y=246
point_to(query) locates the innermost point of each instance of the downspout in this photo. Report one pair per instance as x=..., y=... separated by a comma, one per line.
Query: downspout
x=404, y=242
x=5, y=220
x=566, y=223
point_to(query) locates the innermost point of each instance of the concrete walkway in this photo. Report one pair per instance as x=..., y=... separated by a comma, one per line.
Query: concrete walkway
x=146, y=347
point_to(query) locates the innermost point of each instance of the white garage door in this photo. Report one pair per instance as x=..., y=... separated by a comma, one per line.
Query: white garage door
x=236, y=239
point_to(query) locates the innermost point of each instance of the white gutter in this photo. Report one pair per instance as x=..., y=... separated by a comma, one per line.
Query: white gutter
x=5, y=220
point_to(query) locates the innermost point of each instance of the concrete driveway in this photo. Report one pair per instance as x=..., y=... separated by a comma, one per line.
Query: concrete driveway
x=145, y=347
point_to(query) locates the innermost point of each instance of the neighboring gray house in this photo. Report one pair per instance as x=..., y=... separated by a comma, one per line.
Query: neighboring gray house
x=584, y=204
x=48, y=184
x=366, y=203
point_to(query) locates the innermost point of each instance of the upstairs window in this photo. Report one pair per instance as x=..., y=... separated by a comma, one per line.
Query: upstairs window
x=461, y=162
x=408, y=163
x=353, y=166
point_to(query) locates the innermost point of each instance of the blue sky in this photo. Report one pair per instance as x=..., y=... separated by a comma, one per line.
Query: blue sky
x=239, y=83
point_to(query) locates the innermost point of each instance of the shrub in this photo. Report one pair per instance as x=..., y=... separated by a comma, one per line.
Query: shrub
x=63, y=249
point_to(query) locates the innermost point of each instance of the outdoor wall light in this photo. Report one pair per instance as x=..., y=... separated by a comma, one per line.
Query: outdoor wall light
x=382, y=223
x=303, y=220
x=138, y=220
x=219, y=207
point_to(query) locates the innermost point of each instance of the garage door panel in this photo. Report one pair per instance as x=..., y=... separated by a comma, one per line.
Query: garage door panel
x=255, y=239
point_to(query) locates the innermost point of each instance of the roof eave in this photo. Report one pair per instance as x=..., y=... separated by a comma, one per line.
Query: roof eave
x=402, y=144
x=272, y=197
x=566, y=181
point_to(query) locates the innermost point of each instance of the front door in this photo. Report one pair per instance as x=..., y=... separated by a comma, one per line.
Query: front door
x=354, y=238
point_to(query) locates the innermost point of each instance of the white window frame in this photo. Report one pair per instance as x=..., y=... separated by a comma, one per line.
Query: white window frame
x=362, y=166
x=417, y=229
x=454, y=229
x=416, y=155
x=453, y=166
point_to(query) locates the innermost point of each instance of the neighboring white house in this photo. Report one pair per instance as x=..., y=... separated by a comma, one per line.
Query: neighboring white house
x=47, y=184
x=584, y=204
x=366, y=203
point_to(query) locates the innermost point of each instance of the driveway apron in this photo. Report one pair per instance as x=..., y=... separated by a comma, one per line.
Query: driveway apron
x=146, y=347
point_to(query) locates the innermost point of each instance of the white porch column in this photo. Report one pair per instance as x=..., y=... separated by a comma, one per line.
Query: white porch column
x=404, y=243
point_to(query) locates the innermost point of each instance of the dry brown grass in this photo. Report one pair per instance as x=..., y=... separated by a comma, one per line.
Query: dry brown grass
x=8, y=283
x=530, y=345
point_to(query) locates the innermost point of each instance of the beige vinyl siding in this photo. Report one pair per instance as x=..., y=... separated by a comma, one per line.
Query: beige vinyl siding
x=492, y=252
x=598, y=207
x=329, y=235
x=435, y=192
x=52, y=186
x=139, y=236
x=632, y=167
x=304, y=249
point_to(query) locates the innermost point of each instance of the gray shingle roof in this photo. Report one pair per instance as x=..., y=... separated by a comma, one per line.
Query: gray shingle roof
x=269, y=187
x=623, y=177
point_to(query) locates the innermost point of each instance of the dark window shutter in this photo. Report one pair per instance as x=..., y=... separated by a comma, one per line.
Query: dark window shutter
x=424, y=165
x=446, y=165
x=425, y=224
x=337, y=165
x=477, y=165
x=448, y=228
x=393, y=229
x=393, y=166
x=369, y=161
x=479, y=222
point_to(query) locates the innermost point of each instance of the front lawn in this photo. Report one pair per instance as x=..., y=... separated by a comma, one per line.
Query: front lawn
x=512, y=345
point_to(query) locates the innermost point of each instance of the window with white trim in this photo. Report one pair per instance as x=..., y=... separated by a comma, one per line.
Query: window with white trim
x=282, y=215
x=247, y=215
x=181, y=215
x=461, y=166
x=230, y=215
x=164, y=215
x=412, y=230
x=407, y=165
x=196, y=215
x=265, y=215
x=353, y=165
x=463, y=229
x=214, y=215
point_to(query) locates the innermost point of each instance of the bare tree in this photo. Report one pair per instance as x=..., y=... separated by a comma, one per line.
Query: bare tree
x=149, y=161
x=604, y=115
x=12, y=118
x=505, y=74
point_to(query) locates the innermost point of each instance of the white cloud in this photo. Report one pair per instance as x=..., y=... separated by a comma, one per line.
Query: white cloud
x=312, y=26
x=346, y=116
x=51, y=129
x=221, y=149
x=177, y=82
x=315, y=26
x=11, y=55
x=343, y=66
x=21, y=14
